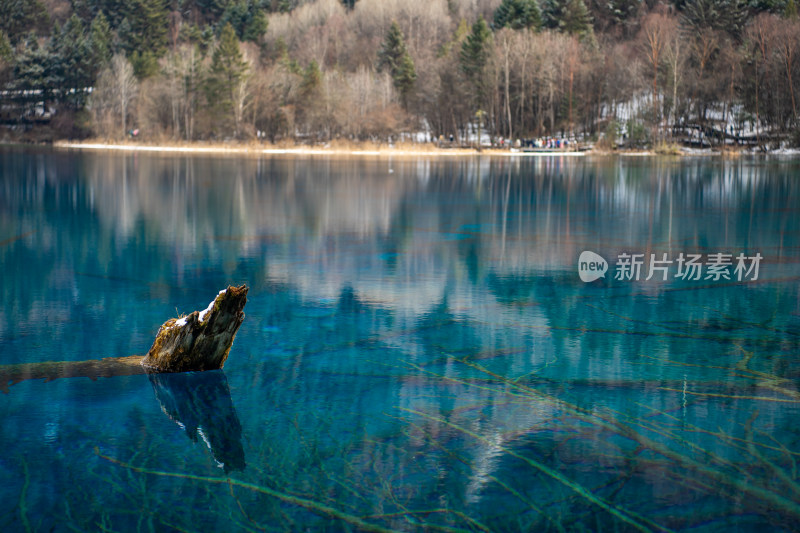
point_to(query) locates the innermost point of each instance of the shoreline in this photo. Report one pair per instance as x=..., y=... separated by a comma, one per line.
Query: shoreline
x=366, y=150
x=381, y=151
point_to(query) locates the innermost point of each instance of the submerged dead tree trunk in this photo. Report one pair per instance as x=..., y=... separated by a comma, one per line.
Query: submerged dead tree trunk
x=200, y=340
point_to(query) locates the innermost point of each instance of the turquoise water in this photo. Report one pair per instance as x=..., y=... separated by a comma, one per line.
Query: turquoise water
x=419, y=350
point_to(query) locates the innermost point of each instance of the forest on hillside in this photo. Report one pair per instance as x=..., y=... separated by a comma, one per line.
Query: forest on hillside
x=316, y=70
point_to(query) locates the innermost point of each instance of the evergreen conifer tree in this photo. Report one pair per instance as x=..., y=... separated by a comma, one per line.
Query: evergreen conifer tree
x=114, y=10
x=33, y=68
x=227, y=72
x=312, y=80
x=6, y=59
x=474, y=57
x=790, y=11
x=394, y=57
x=247, y=18
x=518, y=14
x=569, y=16
x=725, y=15
x=6, y=52
x=576, y=18
x=144, y=37
x=18, y=17
x=71, y=67
x=101, y=39
x=552, y=13
x=228, y=66
x=212, y=8
x=623, y=10
x=256, y=26
x=83, y=9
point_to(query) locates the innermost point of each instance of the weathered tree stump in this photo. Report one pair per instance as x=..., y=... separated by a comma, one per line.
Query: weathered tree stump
x=200, y=340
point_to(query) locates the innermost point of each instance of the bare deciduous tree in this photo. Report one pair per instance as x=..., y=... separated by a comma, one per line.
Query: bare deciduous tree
x=125, y=87
x=111, y=100
x=182, y=69
x=657, y=31
x=675, y=57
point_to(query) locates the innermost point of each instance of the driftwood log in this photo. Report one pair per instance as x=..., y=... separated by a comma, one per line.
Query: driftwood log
x=200, y=340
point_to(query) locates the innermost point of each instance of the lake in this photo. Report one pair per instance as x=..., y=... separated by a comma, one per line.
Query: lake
x=419, y=349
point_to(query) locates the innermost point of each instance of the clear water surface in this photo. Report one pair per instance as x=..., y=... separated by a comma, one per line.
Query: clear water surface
x=419, y=351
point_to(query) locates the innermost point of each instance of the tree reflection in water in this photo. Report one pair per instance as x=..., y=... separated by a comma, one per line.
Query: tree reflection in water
x=200, y=403
x=418, y=352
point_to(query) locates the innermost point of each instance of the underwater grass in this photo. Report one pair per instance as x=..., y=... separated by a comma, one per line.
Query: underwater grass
x=305, y=503
x=612, y=422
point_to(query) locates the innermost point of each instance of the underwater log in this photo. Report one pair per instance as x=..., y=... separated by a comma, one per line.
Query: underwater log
x=200, y=403
x=50, y=370
x=201, y=340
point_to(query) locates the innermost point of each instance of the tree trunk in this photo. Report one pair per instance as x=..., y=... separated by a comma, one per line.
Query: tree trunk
x=571, y=79
x=788, y=61
x=508, y=91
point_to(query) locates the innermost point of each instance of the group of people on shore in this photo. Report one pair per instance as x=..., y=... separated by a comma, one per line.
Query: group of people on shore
x=553, y=143
x=542, y=143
